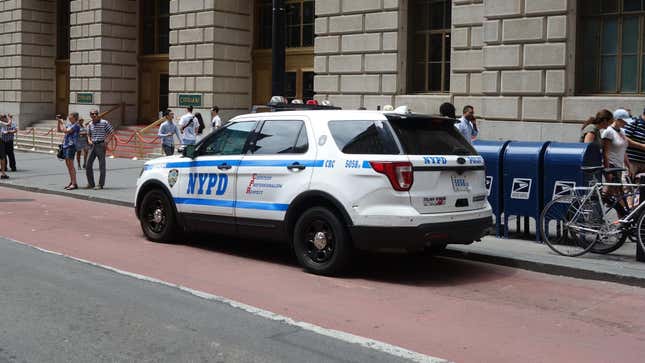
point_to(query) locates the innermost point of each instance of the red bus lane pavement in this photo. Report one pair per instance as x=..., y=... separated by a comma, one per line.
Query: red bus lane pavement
x=457, y=310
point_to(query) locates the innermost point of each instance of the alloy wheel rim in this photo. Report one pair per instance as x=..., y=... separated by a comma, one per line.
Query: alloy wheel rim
x=156, y=216
x=319, y=241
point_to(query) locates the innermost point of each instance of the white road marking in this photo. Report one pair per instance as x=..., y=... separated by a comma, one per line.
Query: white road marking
x=335, y=334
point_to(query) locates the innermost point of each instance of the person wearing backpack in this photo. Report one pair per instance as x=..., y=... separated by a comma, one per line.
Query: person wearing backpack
x=200, y=126
x=188, y=126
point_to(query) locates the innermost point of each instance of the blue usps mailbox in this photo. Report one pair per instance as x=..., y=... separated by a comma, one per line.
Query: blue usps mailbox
x=562, y=163
x=493, y=154
x=522, y=189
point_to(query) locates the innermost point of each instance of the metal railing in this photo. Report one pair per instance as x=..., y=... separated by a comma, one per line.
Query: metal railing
x=134, y=144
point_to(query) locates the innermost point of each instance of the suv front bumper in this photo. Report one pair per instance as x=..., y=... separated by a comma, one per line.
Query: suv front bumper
x=424, y=235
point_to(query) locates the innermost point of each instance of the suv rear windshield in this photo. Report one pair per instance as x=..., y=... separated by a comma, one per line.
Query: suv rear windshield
x=363, y=137
x=430, y=136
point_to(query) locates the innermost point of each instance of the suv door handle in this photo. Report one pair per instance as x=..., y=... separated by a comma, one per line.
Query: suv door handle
x=296, y=166
x=224, y=166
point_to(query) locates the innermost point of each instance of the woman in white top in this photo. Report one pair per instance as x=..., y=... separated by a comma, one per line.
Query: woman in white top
x=615, y=143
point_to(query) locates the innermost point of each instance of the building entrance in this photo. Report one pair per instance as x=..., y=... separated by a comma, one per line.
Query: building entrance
x=62, y=56
x=299, y=54
x=153, y=58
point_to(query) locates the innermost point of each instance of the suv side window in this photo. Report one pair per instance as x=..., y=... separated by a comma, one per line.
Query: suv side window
x=281, y=137
x=229, y=140
x=363, y=137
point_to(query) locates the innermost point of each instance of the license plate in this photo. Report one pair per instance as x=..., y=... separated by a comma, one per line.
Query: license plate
x=460, y=184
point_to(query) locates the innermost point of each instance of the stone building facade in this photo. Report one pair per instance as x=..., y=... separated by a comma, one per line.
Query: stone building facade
x=525, y=65
x=515, y=61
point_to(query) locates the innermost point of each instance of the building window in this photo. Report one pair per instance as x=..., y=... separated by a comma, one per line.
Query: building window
x=62, y=45
x=155, y=26
x=612, y=51
x=429, y=24
x=299, y=19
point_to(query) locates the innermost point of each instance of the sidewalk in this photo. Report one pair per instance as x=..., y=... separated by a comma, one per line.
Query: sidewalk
x=45, y=173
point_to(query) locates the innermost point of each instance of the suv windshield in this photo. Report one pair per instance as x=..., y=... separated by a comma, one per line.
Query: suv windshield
x=430, y=136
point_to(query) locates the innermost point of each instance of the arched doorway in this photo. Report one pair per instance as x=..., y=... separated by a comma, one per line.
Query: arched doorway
x=300, y=52
x=153, y=57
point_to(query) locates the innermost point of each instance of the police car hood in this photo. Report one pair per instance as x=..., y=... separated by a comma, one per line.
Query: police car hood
x=166, y=159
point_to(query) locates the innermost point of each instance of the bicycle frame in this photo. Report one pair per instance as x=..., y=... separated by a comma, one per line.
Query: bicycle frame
x=596, y=191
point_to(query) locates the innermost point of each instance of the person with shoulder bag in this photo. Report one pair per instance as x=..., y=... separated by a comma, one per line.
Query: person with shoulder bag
x=71, y=130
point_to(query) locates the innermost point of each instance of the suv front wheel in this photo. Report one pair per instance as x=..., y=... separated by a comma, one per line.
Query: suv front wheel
x=157, y=216
x=321, y=242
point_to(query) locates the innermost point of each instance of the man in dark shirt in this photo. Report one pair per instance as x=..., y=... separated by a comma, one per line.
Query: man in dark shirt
x=636, y=132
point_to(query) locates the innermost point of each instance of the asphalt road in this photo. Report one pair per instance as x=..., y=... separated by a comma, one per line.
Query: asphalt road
x=458, y=310
x=54, y=309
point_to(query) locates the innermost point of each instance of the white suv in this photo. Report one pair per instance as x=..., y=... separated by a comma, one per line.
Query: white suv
x=325, y=181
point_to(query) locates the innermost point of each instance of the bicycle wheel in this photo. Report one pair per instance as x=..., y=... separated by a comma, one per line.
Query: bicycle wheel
x=563, y=225
x=618, y=235
x=640, y=232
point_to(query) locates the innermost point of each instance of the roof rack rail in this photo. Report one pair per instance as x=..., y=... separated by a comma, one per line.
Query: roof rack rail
x=290, y=107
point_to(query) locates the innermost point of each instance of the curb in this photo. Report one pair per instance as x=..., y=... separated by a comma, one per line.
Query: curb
x=547, y=268
x=71, y=195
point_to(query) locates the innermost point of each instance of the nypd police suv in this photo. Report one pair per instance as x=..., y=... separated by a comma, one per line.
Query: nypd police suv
x=325, y=181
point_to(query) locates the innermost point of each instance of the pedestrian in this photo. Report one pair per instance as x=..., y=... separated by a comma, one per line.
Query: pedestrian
x=467, y=124
x=188, y=126
x=447, y=109
x=82, y=145
x=71, y=130
x=8, y=134
x=592, y=128
x=167, y=132
x=635, y=131
x=216, y=121
x=98, y=133
x=200, y=126
x=3, y=150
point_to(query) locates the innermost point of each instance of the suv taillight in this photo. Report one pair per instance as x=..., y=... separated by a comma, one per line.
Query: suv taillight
x=400, y=174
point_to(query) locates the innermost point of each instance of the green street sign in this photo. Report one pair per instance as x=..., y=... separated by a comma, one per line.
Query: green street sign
x=85, y=98
x=190, y=100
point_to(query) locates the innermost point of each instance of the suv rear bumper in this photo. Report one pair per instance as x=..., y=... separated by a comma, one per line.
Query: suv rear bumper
x=459, y=232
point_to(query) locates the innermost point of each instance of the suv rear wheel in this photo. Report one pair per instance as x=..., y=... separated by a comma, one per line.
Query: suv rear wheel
x=157, y=217
x=321, y=242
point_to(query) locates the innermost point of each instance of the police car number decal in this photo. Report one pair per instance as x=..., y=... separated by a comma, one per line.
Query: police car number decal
x=352, y=164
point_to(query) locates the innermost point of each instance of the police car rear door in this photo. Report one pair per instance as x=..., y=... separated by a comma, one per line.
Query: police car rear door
x=277, y=167
x=449, y=176
x=207, y=184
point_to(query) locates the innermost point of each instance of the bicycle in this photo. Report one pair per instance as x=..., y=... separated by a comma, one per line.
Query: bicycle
x=583, y=219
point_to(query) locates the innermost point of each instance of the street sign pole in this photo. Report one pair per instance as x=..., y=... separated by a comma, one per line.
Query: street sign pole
x=278, y=53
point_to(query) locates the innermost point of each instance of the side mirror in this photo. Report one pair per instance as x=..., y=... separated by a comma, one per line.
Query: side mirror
x=188, y=151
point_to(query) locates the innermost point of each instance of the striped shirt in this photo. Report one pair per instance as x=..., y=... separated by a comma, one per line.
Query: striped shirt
x=99, y=131
x=7, y=137
x=636, y=132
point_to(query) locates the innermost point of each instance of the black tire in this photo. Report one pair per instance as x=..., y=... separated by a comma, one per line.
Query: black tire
x=640, y=232
x=157, y=217
x=436, y=248
x=321, y=242
x=555, y=232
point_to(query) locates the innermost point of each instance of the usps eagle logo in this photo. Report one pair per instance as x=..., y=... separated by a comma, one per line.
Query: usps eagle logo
x=172, y=177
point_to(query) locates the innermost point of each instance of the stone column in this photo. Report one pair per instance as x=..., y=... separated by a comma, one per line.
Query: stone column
x=356, y=52
x=27, y=68
x=103, y=57
x=210, y=54
x=467, y=54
